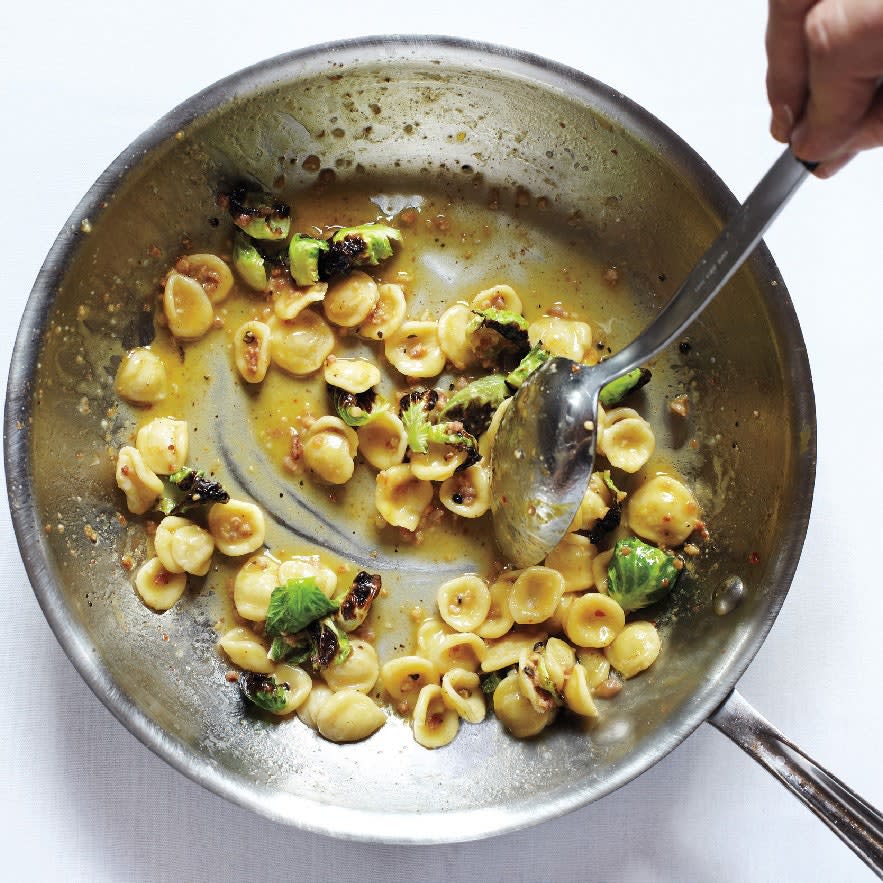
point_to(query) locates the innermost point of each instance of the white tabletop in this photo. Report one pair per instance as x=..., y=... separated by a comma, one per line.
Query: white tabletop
x=83, y=800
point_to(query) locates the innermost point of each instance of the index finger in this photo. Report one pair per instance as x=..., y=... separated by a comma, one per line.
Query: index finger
x=787, y=79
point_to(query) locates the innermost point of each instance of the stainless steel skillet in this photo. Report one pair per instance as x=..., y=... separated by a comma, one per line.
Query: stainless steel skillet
x=628, y=187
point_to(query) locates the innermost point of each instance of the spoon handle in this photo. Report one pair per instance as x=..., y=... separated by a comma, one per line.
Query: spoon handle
x=717, y=265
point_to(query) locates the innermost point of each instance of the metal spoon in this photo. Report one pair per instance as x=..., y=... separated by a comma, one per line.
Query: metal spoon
x=545, y=447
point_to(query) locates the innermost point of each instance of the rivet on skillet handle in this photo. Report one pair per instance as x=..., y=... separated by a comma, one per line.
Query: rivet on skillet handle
x=853, y=820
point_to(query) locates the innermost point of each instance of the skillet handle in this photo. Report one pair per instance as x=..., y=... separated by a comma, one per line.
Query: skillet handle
x=854, y=821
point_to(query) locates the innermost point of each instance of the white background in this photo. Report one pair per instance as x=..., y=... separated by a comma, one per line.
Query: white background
x=83, y=800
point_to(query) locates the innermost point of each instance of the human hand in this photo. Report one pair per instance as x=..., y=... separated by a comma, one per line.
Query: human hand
x=825, y=63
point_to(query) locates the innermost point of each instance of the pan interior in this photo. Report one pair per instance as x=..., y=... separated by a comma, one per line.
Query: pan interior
x=568, y=165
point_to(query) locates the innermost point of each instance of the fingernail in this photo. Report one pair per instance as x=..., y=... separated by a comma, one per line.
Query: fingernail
x=782, y=122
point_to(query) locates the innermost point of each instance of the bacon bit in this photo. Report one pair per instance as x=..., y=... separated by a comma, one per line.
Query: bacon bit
x=680, y=405
x=609, y=688
x=694, y=444
x=754, y=558
x=161, y=578
x=701, y=529
x=558, y=311
x=165, y=637
x=407, y=217
x=232, y=676
x=124, y=469
x=678, y=564
x=691, y=549
x=154, y=251
x=127, y=562
x=667, y=517
x=611, y=276
x=121, y=519
x=403, y=707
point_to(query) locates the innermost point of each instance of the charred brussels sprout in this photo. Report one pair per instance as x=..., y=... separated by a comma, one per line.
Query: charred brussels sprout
x=474, y=405
x=303, y=258
x=375, y=241
x=249, y=263
x=258, y=213
x=639, y=574
x=453, y=434
x=329, y=644
x=498, y=337
x=357, y=601
x=613, y=516
x=188, y=488
x=356, y=409
x=615, y=391
x=263, y=691
x=527, y=366
x=414, y=409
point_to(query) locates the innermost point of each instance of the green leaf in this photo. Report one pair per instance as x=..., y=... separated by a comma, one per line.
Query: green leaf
x=417, y=427
x=356, y=409
x=295, y=605
x=639, y=574
x=249, y=263
x=490, y=682
x=474, y=405
x=290, y=650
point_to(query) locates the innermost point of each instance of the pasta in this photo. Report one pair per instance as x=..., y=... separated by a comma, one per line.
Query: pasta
x=301, y=345
x=414, y=349
x=339, y=369
x=141, y=377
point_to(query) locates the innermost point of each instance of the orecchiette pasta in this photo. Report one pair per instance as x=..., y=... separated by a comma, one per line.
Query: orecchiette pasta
x=358, y=671
x=301, y=345
x=467, y=493
x=634, y=649
x=298, y=685
x=594, y=620
x=352, y=375
x=595, y=504
x=486, y=442
x=572, y=558
x=329, y=450
x=453, y=338
x=578, y=693
x=387, y=315
x=141, y=377
x=439, y=462
x=348, y=716
x=246, y=650
x=516, y=713
x=414, y=349
x=210, y=272
x=561, y=337
x=253, y=585
x=351, y=300
x=309, y=709
x=627, y=440
x=137, y=481
x=663, y=511
x=499, y=297
x=434, y=723
x=237, y=527
x=461, y=692
x=290, y=301
x=535, y=595
x=404, y=676
x=251, y=350
x=401, y=497
x=383, y=441
x=163, y=444
x=183, y=546
x=507, y=650
x=464, y=602
x=459, y=650
x=188, y=310
x=157, y=587
x=499, y=617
